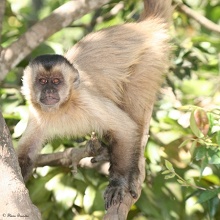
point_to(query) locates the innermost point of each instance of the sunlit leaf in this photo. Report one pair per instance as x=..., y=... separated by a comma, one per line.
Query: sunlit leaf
x=169, y=165
x=214, y=179
x=180, y=181
x=89, y=198
x=19, y=128
x=170, y=176
x=166, y=172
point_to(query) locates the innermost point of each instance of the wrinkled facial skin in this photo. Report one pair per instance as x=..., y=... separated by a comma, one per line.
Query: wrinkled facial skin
x=49, y=87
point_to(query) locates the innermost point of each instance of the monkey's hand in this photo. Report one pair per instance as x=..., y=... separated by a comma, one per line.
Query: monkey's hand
x=26, y=165
x=117, y=189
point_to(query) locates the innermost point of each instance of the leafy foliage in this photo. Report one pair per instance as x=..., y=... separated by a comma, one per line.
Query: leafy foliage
x=183, y=153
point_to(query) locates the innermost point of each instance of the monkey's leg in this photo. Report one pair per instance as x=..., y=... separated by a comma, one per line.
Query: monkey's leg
x=124, y=141
x=124, y=170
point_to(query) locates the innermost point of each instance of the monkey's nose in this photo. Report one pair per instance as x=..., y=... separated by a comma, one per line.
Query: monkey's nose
x=49, y=91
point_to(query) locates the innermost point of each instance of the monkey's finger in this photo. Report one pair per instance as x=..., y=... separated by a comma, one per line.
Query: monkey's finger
x=100, y=158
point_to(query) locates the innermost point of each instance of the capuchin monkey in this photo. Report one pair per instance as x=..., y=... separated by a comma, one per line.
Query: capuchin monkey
x=106, y=83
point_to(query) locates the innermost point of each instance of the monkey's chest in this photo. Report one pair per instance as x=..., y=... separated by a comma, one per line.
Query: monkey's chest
x=71, y=126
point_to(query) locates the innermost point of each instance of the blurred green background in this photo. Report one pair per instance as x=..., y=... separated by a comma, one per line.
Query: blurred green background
x=183, y=153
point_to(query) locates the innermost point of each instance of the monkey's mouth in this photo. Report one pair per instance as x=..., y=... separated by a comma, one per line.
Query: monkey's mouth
x=49, y=100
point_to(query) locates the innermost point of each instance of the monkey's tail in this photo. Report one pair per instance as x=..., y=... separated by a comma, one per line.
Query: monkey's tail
x=161, y=9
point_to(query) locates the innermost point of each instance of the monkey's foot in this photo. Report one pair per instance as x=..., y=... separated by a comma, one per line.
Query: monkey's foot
x=116, y=191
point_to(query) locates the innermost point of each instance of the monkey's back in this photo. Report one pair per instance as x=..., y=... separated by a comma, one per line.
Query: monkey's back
x=125, y=63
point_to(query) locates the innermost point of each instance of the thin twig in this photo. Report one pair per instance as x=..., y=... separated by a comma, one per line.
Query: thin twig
x=199, y=18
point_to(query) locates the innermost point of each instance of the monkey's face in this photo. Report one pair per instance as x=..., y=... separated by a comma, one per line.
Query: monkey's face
x=48, y=81
x=47, y=87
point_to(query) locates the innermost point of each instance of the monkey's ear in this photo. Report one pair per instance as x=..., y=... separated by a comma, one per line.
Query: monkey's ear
x=76, y=81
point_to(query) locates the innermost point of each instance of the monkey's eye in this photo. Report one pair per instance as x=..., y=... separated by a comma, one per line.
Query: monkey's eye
x=56, y=81
x=42, y=81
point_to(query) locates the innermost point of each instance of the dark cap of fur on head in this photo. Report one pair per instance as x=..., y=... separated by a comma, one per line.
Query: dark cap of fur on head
x=49, y=60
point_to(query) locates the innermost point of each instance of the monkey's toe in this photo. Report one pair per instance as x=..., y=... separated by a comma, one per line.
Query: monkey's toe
x=113, y=196
x=133, y=189
x=115, y=192
x=134, y=193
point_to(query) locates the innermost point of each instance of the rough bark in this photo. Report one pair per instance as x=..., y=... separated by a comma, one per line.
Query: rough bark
x=15, y=201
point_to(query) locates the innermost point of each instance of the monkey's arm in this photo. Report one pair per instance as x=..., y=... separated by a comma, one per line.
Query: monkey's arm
x=28, y=147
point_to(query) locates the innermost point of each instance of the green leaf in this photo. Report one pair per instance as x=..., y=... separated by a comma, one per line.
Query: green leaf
x=184, y=143
x=215, y=159
x=169, y=176
x=207, y=195
x=193, y=147
x=213, y=179
x=166, y=172
x=204, y=164
x=169, y=166
x=194, y=126
x=200, y=153
x=218, y=138
x=180, y=181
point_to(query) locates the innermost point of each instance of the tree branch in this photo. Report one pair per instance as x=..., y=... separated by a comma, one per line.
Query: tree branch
x=38, y=33
x=71, y=156
x=15, y=200
x=199, y=18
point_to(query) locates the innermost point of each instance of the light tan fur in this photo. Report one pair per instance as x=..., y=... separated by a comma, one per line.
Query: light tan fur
x=119, y=71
